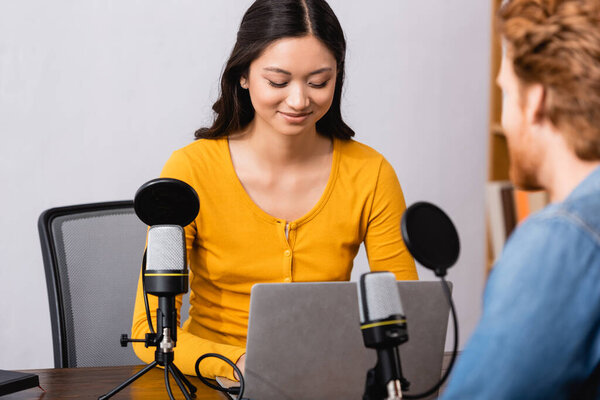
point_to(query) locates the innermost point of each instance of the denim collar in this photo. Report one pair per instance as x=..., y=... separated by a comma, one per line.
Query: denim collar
x=590, y=184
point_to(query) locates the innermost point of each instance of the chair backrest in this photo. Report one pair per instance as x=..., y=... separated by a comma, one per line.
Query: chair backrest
x=92, y=257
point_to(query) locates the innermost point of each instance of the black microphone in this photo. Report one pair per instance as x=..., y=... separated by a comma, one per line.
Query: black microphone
x=166, y=205
x=432, y=239
x=383, y=326
x=166, y=276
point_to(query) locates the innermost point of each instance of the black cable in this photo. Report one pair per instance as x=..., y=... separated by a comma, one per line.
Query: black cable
x=239, y=392
x=167, y=383
x=148, y=317
x=454, y=351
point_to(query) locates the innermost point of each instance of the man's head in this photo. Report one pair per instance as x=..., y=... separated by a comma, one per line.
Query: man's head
x=550, y=77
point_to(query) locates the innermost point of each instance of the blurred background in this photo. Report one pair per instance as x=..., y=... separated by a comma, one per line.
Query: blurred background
x=95, y=95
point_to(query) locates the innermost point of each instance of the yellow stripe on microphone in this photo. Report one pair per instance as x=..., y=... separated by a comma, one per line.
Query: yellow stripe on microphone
x=383, y=323
x=146, y=274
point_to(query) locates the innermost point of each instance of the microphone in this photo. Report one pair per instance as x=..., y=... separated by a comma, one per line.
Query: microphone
x=383, y=326
x=432, y=239
x=166, y=205
x=166, y=276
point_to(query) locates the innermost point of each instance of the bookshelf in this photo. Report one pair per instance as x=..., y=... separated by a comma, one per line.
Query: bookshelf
x=498, y=152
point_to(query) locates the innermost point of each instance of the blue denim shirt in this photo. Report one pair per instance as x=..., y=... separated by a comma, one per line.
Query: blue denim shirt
x=539, y=335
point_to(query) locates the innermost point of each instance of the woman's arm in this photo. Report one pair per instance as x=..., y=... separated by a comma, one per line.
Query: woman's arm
x=189, y=346
x=385, y=248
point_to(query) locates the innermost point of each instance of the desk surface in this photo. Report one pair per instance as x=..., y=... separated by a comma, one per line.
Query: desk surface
x=89, y=383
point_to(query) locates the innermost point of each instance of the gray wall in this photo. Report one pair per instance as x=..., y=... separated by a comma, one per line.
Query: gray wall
x=95, y=95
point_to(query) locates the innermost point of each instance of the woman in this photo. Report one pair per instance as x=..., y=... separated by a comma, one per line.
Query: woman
x=285, y=194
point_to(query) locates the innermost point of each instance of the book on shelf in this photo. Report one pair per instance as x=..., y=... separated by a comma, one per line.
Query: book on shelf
x=528, y=203
x=506, y=207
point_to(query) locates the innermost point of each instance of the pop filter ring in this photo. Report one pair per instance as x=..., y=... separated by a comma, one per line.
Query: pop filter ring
x=413, y=233
x=166, y=201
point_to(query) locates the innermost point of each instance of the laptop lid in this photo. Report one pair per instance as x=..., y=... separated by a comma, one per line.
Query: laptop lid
x=304, y=340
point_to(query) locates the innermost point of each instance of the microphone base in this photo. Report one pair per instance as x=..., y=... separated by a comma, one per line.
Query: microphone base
x=184, y=384
x=163, y=356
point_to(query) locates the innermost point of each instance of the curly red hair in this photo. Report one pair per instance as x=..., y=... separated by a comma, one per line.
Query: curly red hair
x=556, y=43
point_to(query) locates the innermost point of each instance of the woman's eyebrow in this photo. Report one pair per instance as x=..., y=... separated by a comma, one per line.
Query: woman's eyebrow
x=282, y=71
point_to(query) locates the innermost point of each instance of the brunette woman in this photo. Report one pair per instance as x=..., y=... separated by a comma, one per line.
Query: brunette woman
x=286, y=195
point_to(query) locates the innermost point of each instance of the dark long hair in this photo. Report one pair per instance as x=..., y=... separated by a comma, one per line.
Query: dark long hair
x=264, y=22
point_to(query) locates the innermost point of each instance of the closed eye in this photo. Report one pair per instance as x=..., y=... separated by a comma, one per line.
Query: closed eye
x=277, y=85
x=319, y=85
x=284, y=84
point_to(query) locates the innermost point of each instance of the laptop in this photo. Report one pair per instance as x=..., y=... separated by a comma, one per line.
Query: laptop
x=304, y=340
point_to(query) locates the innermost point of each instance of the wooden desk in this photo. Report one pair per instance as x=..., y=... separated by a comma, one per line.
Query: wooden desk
x=90, y=383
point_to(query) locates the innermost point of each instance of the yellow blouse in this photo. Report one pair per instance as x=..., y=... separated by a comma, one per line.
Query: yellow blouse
x=233, y=244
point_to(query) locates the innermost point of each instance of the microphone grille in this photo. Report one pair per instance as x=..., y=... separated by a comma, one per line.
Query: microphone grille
x=166, y=248
x=378, y=296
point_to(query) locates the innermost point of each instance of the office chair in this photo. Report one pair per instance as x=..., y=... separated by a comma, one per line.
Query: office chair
x=92, y=257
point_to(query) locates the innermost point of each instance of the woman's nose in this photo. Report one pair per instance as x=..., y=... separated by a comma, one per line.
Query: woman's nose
x=298, y=98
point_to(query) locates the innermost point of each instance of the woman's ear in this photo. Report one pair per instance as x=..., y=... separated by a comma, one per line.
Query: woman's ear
x=244, y=82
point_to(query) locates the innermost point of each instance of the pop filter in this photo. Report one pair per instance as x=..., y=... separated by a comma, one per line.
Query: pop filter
x=166, y=201
x=430, y=236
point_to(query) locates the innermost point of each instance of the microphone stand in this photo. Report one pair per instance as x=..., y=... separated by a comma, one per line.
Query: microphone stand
x=383, y=383
x=164, y=354
x=170, y=202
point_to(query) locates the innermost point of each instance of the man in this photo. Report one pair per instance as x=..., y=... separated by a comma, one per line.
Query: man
x=539, y=335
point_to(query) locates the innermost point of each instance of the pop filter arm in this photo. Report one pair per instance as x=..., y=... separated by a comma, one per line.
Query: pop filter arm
x=432, y=239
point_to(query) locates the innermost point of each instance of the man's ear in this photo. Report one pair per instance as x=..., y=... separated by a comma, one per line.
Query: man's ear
x=535, y=99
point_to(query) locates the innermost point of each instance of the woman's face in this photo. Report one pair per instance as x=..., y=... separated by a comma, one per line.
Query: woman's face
x=291, y=84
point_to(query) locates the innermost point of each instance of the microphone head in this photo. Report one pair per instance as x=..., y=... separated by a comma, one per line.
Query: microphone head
x=166, y=248
x=166, y=201
x=166, y=262
x=382, y=319
x=378, y=296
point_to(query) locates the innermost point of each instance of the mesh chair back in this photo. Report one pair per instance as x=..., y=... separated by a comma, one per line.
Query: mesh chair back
x=92, y=257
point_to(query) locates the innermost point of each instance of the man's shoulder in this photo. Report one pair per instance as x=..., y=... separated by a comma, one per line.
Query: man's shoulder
x=585, y=212
x=581, y=213
x=561, y=235
x=565, y=223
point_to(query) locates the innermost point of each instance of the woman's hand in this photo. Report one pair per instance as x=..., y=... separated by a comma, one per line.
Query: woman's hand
x=241, y=364
x=228, y=383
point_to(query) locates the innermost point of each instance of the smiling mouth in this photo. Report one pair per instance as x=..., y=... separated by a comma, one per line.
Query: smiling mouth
x=296, y=115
